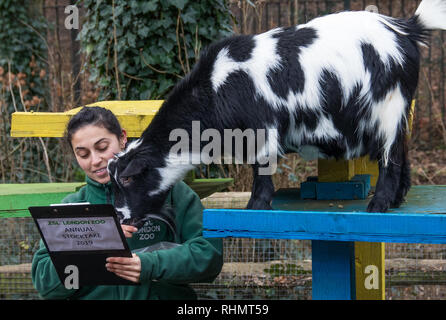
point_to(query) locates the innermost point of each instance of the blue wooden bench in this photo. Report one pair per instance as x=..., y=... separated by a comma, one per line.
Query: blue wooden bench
x=334, y=226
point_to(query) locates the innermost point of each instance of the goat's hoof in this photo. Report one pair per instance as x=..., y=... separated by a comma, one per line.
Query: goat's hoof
x=397, y=203
x=378, y=205
x=259, y=205
x=399, y=198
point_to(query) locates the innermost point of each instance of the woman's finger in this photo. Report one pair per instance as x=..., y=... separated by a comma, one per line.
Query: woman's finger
x=128, y=273
x=123, y=272
x=128, y=230
x=124, y=264
x=124, y=260
x=133, y=278
x=123, y=267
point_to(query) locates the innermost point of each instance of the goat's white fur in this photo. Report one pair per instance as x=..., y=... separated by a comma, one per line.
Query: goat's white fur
x=432, y=14
x=362, y=27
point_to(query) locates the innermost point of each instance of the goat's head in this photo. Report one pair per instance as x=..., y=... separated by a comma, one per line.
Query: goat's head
x=137, y=186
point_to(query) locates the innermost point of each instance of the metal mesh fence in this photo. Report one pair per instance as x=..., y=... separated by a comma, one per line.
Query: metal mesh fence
x=19, y=239
x=253, y=268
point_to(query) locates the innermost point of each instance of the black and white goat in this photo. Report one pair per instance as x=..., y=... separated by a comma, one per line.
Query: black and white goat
x=341, y=84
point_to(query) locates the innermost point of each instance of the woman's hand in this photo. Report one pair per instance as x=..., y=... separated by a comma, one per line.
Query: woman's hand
x=127, y=268
x=128, y=230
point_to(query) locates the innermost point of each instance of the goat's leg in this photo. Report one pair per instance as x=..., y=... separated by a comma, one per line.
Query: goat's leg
x=405, y=182
x=262, y=191
x=388, y=186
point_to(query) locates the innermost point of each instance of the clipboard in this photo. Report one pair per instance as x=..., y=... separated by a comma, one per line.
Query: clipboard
x=83, y=236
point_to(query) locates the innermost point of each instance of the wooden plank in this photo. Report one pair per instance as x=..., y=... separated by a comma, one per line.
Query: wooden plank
x=422, y=219
x=134, y=117
x=370, y=270
x=342, y=190
x=332, y=270
x=21, y=202
x=16, y=198
x=30, y=188
x=206, y=187
x=335, y=226
x=330, y=170
x=420, y=199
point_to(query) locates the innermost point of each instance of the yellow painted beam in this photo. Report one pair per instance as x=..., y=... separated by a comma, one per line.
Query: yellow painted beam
x=364, y=165
x=134, y=117
x=370, y=271
x=330, y=170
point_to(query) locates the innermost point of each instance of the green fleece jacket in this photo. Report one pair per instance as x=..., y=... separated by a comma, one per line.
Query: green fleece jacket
x=165, y=274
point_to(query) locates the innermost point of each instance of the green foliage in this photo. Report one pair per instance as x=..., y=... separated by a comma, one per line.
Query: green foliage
x=22, y=51
x=140, y=49
x=23, y=85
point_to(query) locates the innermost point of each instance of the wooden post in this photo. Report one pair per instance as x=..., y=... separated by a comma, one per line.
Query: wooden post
x=333, y=270
x=369, y=272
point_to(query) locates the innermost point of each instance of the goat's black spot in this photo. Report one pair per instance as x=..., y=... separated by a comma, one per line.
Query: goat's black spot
x=231, y=102
x=240, y=47
x=289, y=76
x=384, y=78
x=331, y=147
x=307, y=118
x=380, y=77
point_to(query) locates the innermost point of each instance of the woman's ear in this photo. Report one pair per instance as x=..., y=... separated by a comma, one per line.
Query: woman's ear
x=123, y=139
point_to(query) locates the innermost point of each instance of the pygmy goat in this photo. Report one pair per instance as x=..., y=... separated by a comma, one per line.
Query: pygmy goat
x=341, y=84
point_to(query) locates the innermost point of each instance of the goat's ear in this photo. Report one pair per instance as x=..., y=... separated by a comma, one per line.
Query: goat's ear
x=134, y=168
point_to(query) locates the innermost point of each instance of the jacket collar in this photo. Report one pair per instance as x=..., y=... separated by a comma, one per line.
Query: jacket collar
x=96, y=184
x=98, y=192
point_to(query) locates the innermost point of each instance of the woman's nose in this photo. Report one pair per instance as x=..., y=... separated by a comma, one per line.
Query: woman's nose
x=96, y=158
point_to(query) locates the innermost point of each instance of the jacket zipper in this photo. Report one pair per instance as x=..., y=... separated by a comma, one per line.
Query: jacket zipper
x=108, y=194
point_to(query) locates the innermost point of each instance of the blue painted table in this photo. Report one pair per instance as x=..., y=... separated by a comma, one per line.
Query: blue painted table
x=334, y=226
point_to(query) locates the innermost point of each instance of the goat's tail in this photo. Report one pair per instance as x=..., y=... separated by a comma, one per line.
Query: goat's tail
x=431, y=14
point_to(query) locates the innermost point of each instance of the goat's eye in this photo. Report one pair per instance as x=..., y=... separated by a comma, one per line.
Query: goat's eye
x=125, y=181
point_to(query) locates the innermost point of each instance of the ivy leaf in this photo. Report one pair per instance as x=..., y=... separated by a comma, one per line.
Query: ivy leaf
x=131, y=39
x=178, y=3
x=166, y=22
x=166, y=44
x=190, y=16
x=149, y=6
x=126, y=18
x=143, y=32
x=164, y=85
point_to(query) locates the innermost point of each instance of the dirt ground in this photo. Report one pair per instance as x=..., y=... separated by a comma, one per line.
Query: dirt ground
x=428, y=167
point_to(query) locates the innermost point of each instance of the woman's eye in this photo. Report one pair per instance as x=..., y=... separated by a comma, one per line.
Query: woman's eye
x=125, y=181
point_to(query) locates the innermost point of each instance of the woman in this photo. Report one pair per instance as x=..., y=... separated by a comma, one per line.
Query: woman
x=94, y=135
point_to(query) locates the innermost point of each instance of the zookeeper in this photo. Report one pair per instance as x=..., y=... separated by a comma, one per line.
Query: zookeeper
x=94, y=134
